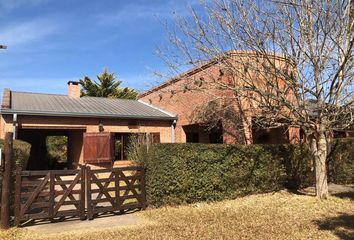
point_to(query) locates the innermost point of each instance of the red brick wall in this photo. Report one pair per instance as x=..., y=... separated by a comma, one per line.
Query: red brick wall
x=74, y=90
x=185, y=104
x=176, y=99
x=6, y=99
x=77, y=126
x=89, y=125
x=2, y=127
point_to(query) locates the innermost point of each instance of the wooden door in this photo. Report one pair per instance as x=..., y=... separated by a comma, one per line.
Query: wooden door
x=98, y=148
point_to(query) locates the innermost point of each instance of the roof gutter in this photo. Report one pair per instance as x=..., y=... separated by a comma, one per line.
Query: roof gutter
x=88, y=115
x=159, y=109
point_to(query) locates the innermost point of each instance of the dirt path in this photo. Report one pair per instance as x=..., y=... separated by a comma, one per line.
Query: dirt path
x=75, y=225
x=335, y=189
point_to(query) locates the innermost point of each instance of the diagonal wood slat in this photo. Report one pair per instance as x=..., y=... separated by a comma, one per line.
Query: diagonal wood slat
x=99, y=196
x=65, y=195
x=31, y=199
x=65, y=188
x=129, y=184
x=102, y=188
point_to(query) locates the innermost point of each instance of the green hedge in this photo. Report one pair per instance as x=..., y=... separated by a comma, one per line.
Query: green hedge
x=341, y=161
x=187, y=173
x=21, y=152
x=297, y=162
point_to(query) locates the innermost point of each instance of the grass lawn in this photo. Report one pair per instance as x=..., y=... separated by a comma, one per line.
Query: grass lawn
x=267, y=216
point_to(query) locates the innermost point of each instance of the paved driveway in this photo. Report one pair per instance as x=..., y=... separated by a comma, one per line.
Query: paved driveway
x=72, y=225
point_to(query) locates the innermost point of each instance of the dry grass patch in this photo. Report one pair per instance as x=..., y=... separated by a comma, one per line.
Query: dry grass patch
x=265, y=216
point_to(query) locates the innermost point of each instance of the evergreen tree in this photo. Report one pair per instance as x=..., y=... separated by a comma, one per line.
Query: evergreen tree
x=106, y=86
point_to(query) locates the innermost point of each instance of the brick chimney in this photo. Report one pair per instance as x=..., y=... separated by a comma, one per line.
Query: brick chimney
x=6, y=99
x=73, y=89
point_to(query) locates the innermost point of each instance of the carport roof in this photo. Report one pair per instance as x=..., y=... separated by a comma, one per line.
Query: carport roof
x=27, y=103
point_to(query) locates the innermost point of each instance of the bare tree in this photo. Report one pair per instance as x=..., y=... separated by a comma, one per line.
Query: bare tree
x=287, y=62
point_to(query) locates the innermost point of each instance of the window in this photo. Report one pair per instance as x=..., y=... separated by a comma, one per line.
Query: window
x=123, y=140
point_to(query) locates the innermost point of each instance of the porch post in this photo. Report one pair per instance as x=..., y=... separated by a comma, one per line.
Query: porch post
x=173, y=125
x=14, y=125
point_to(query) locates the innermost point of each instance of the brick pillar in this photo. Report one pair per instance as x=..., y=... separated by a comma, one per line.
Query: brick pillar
x=2, y=128
x=294, y=135
x=247, y=124
x=231, y=133
x=75, y=148
x=180, y=135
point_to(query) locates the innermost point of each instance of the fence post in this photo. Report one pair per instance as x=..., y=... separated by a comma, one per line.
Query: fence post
x=83, y=176
x=143, y=188
x=89, y=196
x=6, y=182
x=119, y=197
x=52, y=195
x=17, y=202
x=117, y=190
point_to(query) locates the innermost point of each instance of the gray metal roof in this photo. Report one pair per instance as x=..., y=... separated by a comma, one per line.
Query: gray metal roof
x=26, y=103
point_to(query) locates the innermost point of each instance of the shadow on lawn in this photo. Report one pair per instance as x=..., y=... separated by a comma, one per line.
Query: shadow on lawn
x=349, y=195
x=342, y=226
x=301, y=193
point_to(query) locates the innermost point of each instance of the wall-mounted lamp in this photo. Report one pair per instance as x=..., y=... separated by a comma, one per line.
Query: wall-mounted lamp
x=100, y=126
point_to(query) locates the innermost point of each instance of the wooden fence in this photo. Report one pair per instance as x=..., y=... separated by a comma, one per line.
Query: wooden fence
x=79, y=193
x=116, y=189
x=49, y=194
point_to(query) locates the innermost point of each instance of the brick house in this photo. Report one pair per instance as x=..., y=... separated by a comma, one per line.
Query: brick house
x=172, y=97
x=97, y=129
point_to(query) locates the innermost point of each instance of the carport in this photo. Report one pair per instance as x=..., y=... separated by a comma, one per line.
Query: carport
x=96, y=128
x=38, y=139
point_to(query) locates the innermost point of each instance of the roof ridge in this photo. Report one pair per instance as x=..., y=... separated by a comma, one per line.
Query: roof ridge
x=198, y=68
x=55, y=94
x=110, y=98
x=64, y=95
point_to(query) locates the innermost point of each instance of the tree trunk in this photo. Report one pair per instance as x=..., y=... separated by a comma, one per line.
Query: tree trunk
x=319, y=150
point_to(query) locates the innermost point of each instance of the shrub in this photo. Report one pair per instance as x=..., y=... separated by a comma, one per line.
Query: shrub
x=187, y=173
x=297, y=161
x=21, y=152
x=341, y=161
x=57, y=147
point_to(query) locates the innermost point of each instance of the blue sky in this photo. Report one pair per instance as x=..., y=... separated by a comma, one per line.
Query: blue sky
x=51, y=42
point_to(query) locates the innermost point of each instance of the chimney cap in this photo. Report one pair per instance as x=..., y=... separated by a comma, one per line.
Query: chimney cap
x=73, y=82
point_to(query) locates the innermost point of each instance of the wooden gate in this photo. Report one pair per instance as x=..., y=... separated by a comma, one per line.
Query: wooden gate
x=49, y=194
x=115, y=189
x=62, y=193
